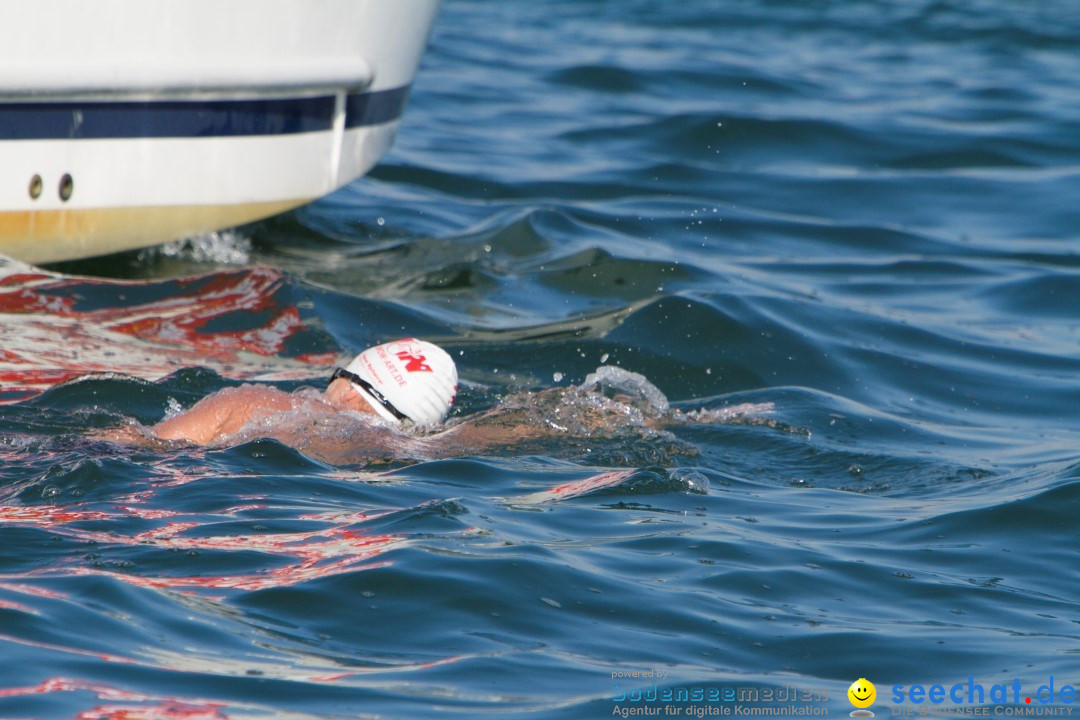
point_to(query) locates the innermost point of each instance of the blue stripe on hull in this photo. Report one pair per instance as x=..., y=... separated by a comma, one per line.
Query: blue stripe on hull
x=89, y=120
x=375, y=108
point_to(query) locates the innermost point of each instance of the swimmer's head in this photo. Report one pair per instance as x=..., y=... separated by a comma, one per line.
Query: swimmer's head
x=407, y=379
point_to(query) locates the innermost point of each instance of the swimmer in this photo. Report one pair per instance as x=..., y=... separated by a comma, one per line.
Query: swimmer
x=389, y=404
x=409, y=382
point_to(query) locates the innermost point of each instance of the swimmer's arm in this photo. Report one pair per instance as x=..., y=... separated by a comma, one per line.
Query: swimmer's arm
x=482, y=434
x=132, y=433
x=500, y=429
x=199, y=424
x=221, y=414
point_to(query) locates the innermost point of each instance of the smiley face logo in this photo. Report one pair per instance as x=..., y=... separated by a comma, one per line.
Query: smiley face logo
x=862, y=693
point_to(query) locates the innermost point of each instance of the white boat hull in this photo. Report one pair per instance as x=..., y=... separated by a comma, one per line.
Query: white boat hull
x=182, y=116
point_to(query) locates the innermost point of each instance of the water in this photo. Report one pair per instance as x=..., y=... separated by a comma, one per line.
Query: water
x=863, y=214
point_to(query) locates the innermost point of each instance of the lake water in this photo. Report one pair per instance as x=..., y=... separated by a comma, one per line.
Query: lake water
x=863, y=213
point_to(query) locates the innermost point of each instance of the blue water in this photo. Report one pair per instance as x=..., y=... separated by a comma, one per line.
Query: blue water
x=864, y=213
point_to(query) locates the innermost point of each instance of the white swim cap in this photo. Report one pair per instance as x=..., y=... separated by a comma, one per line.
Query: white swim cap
x=407, y=378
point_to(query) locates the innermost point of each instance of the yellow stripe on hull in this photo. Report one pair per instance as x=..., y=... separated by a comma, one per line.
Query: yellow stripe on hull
x=44, y=236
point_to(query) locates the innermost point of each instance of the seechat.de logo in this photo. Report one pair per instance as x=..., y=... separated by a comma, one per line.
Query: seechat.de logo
x=862, y=695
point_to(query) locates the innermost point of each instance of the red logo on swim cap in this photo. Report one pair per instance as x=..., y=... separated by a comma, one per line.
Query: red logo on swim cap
x=414, y=363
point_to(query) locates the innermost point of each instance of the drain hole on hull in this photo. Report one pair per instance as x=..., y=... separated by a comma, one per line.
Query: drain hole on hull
x=67, y=186
x=35, y=187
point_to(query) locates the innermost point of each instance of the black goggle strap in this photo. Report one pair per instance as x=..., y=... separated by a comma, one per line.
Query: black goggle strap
x=366, y=386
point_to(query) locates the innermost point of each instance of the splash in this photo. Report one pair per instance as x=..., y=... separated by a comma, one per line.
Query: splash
x=637, y=386
x=615, y=417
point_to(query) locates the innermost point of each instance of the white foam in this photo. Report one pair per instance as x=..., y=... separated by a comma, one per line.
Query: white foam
x=224, y=247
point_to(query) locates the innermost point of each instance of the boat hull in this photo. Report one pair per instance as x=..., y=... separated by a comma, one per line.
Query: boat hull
x=245, y=110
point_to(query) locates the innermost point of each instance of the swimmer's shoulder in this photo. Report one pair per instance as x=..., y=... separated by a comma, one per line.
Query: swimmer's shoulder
x=262, y=395
x=223, y=413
